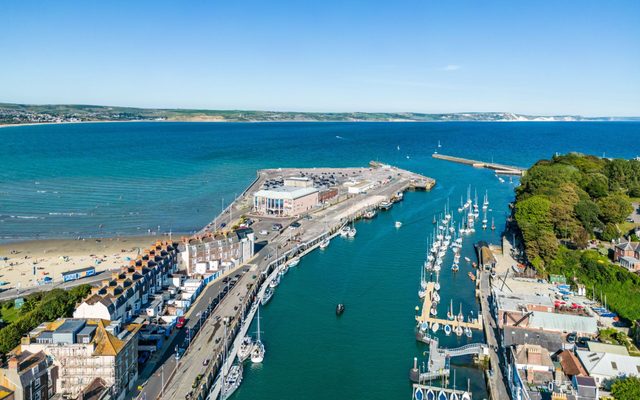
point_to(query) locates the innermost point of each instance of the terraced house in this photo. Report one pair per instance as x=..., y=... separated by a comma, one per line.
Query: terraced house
x=79, y=352
x=124, y=295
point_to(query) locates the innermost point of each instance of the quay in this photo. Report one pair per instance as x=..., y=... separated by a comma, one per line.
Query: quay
x=196, y=375
x=500, y=169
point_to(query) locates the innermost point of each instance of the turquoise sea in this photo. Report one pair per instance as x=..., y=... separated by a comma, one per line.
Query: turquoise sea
x=126, y=178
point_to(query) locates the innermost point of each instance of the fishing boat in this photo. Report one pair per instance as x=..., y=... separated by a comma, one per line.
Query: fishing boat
x=325, y=243
x=231, y=382
x=344, y=232
x=244, y=352
x=294, y=261
x=275, y=282
x=435, y=327
x=352, y=232
x=370, y=214
x=386, y=205
x=257, y=354
x=339, y=309
x=472, y=276
x=447, y=330
x=455, y=268
x=398, y=224
x=268, y=294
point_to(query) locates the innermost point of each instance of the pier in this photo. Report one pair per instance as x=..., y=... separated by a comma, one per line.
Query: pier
x=424, y=316
x=500, y=169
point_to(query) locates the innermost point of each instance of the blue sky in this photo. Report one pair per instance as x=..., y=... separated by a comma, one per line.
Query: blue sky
x=537, y=57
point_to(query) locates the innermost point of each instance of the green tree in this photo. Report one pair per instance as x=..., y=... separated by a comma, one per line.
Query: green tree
x=610, y=232
x=587, y=212
x=597, y=185
x=614, y=208
x=626, y=388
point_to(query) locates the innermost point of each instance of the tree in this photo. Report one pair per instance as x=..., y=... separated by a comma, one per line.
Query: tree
x=614, y=208
x=534, y=213
x=634, y=191
x=626, y=388
x=587, y=212
x=610, y=232
x=597, y=185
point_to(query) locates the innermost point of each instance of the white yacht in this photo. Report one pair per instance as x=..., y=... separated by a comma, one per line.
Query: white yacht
x=325, y=243
x=231, y=382
x=245, y=348
x=398, y=224
x=257, y=354
x=352, y=232
x=268, y=294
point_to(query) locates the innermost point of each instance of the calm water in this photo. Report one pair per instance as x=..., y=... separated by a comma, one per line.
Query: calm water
x=126, y=178
x=90, y=179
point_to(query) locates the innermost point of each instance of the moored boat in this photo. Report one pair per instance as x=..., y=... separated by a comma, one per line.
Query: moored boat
x=231, y=382
x=244, y=352
x=268, y=294
x=339, y=309
x=325, y=243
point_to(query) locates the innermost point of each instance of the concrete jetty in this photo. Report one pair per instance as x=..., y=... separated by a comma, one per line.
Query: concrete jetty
x=500, y=169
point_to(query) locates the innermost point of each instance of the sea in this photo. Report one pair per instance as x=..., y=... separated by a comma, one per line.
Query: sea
x=107, y=179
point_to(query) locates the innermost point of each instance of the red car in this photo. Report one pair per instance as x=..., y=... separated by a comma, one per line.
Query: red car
x=180, y=323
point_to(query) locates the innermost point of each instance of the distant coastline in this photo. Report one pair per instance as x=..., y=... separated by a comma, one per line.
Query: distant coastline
x=26, y=115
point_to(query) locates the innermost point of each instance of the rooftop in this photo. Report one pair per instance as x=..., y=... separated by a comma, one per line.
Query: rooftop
x=609, y=364
x=563, y=322
x=598, y=347
x=286, y=192
x=506, y=301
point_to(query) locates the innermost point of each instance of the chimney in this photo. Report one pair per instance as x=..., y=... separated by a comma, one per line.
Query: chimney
x=14, y=363
x=534, y=356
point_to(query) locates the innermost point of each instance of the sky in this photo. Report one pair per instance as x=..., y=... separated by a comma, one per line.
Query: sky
x=533, y=57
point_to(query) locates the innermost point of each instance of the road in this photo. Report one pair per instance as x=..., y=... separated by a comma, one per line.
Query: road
x=497, y=386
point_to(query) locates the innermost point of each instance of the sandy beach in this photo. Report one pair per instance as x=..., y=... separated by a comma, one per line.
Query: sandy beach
x=52, y=257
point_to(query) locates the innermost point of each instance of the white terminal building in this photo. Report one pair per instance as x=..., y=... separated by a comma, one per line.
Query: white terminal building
x=296, y=197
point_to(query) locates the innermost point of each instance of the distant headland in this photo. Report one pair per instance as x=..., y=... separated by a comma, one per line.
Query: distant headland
x=20, y=114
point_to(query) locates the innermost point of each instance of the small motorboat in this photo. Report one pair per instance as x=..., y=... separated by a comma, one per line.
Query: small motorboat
x=467, y=259
x=455, y=268
x=447, y=330
x=294, y=261
x=472, y=276
x=467, y=332
x=339, y=309
x=245, y=348
x=458, y=330
x=324, y=244
x=398, y=224
x=435, y=327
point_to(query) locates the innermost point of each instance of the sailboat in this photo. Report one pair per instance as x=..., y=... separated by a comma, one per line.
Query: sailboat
x=484, y=221
x=450, y=312
x=257, y=354
x=231, y=382
x=447, y=330
x=493, y=224
x=245, y=348
x=485, y=203
x=460, y=315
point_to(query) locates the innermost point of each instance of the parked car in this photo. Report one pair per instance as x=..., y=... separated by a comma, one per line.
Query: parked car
x=180, y=323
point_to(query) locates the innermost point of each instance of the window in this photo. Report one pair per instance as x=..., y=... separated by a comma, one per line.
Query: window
x=614, y=365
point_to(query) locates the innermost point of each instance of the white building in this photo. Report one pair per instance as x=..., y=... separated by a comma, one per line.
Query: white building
x=285, y=201
x=604, y=366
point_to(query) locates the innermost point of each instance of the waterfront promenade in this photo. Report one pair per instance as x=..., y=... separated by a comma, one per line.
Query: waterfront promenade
x=190, y=377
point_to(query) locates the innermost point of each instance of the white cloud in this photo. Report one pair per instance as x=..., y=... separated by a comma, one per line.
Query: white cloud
x=451, y=67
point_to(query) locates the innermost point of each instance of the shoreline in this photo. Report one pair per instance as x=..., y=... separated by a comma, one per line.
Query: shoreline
x=222, y=121
x=24, y=264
